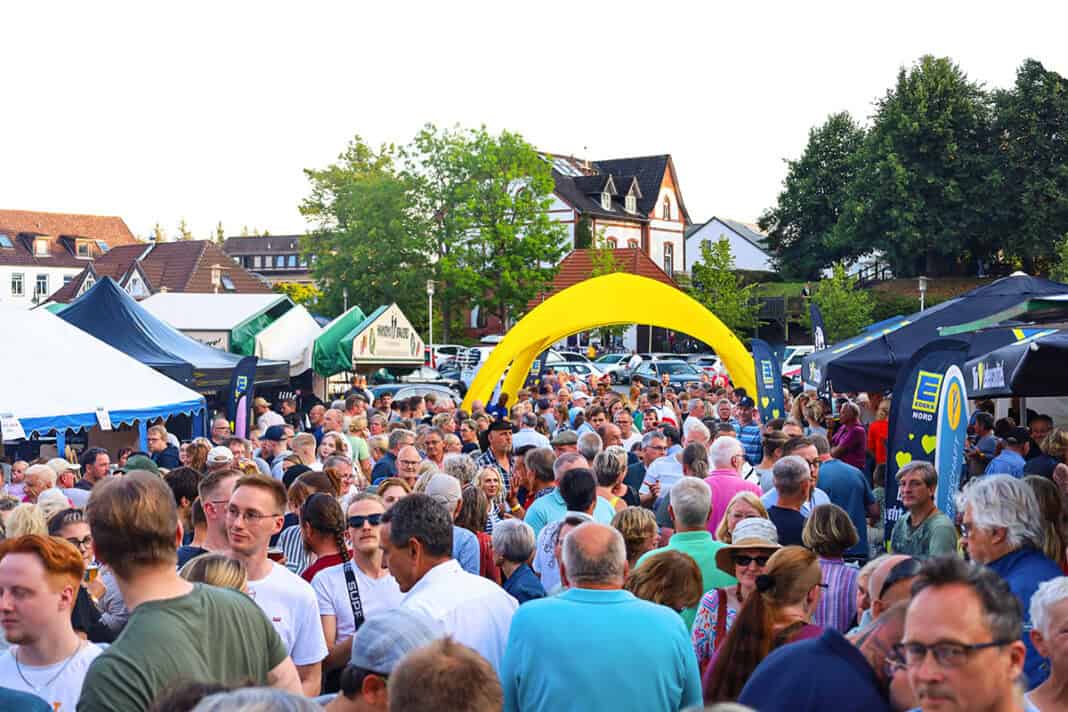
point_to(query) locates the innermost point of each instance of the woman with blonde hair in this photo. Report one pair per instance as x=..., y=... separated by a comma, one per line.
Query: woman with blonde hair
x=333, y=444
x=639, y=530
x=197, y=455
x=488, y=481
x=216, y=570
x=779, y=613
x=670, y=578
x=26, y=519
x=744, y=505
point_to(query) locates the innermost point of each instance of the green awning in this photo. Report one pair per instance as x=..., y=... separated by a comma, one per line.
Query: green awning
x=331, y=354
x=1038, y=311
x=55, y=307
x=243, y=336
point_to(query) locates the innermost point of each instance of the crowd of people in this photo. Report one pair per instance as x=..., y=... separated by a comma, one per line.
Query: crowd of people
x=580, y=548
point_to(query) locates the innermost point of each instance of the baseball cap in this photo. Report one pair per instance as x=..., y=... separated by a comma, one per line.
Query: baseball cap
x=141, y=462
x=261, y=401
x=565, y=437
x=385, y=638
x=275, y=432
x=1016, y=436
x=580, y=395
x=219, y=455
x=59, y=465
x=746, y=402
x=444, y=489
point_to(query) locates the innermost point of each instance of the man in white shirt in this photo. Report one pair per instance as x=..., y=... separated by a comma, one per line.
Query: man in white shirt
x=628, y=435
x=527, y=435
x=255, y=514
x=265, y=417
x=417, y=539
x=377, y=590
x=40, y=576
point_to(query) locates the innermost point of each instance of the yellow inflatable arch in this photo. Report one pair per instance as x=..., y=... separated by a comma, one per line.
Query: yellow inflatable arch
x=608, y=300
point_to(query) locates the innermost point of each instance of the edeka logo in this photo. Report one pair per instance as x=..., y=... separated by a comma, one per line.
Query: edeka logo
x=927, y=386
x=766, y=373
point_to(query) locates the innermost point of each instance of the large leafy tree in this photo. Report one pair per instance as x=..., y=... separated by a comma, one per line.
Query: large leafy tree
x=717, y=286
x=1031, y=154
x=846, y=310
x=370, y=243
x=924, y=181
x=801, y=225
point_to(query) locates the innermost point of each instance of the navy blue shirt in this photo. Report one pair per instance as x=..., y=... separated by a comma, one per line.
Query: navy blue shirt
x=385, y=467
x=789, y=524
x=825, y=673
x=849, y=489
x=524, y=585
x=167, y=458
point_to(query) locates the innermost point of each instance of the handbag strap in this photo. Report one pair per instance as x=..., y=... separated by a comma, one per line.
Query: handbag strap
x=354, y=594
x=721, y=618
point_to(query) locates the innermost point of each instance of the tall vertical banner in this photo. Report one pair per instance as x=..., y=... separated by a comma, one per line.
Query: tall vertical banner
x=768, y=381
x=239, y=396
x=928, y=422
x=819, y=331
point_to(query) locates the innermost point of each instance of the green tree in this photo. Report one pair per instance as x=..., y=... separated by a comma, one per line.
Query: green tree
x=220, y=234
x=924, y=182
x=1058, y=271
x=603, y=261
x=368, y=237
x=800, y=227
x=1031, y=155
x=583, y=233
x=846, y=310
x=157, y=233
x=305, y=294
x=716, y=285
x=183, y=230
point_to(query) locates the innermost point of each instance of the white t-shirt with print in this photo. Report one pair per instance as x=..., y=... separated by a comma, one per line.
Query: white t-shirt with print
x=331, y=590
x=289, y=602
x=63, y=692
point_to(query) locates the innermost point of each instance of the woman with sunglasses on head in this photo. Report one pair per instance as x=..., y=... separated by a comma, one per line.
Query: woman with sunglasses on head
x=753, y=542
x=375, y=589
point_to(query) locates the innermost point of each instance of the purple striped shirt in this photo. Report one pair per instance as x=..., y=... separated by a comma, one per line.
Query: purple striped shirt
x=838, y=602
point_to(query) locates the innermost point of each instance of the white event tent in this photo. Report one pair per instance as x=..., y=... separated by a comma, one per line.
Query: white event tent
x=57, y=377
x=290, y=338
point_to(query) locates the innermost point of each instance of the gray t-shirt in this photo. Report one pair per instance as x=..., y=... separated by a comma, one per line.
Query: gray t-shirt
x=935, y=536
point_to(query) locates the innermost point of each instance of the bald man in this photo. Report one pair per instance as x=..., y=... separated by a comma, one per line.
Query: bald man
x=408, y=461
x=891, y=582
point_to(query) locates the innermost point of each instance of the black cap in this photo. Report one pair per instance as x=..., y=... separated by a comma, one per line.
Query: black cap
x=292, y=473
x=500, y=425
x=1018, y=436
x=746, y=402
x=275, y=432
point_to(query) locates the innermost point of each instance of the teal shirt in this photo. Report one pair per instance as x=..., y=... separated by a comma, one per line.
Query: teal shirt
x=581, y=650
x=702, y=547
x=551, y=508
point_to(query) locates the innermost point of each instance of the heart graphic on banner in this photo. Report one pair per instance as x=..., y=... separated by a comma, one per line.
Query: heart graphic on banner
x=928, y=442
x=774, y=412
x=912, y=436
x=764, y=401
x=903, y=458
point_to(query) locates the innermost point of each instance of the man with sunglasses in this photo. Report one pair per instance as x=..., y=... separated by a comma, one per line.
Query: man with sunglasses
x=376, y=590
x=254, y=514
x=962, y=646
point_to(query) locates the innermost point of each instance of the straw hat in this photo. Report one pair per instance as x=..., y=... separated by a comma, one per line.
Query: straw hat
x=751, y=533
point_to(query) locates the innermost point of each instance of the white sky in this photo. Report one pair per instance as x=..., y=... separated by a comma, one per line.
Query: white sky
x=210, y=111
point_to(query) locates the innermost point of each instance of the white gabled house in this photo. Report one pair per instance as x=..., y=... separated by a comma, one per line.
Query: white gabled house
x=748, y=243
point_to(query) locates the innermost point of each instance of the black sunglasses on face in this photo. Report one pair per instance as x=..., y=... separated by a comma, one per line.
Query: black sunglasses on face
x=356, y=521
x=744, y=560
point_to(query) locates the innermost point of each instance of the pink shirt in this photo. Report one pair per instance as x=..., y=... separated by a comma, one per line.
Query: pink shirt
x=725, y=484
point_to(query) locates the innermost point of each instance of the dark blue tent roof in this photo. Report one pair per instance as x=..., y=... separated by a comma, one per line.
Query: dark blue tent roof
x=107, y=312
x=870, y=362
x=1032, y=366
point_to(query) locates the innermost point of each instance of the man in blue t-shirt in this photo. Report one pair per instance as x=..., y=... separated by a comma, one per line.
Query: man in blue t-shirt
x=1012, y=459
x=849, y=489
x=749, y=432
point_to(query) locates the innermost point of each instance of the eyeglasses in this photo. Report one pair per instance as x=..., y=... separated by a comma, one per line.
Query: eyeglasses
x=743, y=560
x=814, y=463
x=409, y=463
x=966, y=530
x=251, y=515
x=84, y=542
x=656, y=447
x=356, y=521
x=948, y=655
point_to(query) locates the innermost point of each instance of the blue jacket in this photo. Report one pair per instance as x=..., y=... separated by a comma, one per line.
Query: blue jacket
x=1024, y=569
x=524, y=585
x=598, y=650
x=825, y=673
x=465, y=549
x=167, y=458
x=849, y=489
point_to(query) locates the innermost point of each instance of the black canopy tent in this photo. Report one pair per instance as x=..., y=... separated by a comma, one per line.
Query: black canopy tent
x=1030, y=367
x=111, y=315
x=871, y=361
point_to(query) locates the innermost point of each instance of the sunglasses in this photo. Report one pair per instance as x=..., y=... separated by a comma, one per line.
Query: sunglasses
x=744, y=560
x=357, y=521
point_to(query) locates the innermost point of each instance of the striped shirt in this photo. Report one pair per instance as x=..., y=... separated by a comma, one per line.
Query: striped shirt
x=838, y=602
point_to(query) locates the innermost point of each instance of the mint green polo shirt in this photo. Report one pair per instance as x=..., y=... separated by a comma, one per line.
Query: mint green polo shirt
x=702, y=547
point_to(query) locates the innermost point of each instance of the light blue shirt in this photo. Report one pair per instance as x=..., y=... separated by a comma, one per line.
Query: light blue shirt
x=551, y=508
x=1007, y=463
x=771, y=497
x=465, y=550
x=644, y=659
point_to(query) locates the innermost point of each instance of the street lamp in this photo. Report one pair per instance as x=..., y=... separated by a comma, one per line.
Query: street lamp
x=430, y=317
x=923, y=291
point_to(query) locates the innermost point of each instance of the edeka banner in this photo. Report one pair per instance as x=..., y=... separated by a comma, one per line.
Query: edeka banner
x=926, y=392
x=238, y=397
x=768, y=381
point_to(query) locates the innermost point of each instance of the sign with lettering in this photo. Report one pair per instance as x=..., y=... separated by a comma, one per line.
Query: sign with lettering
x=387, y=337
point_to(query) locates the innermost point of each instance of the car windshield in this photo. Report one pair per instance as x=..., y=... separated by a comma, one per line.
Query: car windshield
x=610, y=358
x=677, y=368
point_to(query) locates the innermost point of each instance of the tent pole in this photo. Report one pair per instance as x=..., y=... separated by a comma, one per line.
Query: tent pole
x=142, y=436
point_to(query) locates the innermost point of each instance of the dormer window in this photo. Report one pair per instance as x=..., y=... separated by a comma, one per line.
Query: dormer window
x=632, y=203
x=611, y=243
x=606, y=200
x=136, y=288
x=82, y=248
x=5, y=240
x=40, y=247
x=665, y=209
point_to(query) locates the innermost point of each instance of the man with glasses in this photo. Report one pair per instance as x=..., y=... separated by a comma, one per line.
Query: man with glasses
x=376, y=591
x=924, y=531
x=962, y=646
x=254, y=514
x=1003, y=528
x=220, y=431
x=654, y=446
x=408, y=462
x=806, y=450
x=387, y=466
x=214, y=490
x=163, y=453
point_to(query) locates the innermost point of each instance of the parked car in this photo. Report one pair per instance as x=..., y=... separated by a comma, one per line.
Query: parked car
x=423, y=374
x=436, y=354
x=794, y=355
x=679, y=372
x=709, y=363
x=578, y=368
x=407, y=390
x=574, y=356
x=612, y=365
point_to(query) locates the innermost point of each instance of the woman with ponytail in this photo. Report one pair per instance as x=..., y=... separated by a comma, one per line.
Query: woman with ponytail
x=780, y=612
x=322, y=524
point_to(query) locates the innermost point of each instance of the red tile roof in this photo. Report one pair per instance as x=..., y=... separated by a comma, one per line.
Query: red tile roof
x=578, y=266
x=58, y=228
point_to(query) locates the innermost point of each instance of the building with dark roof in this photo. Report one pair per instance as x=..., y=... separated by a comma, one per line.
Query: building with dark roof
x=183, y=266
x=277, y=258
x=748, y=243
x=40, y=252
